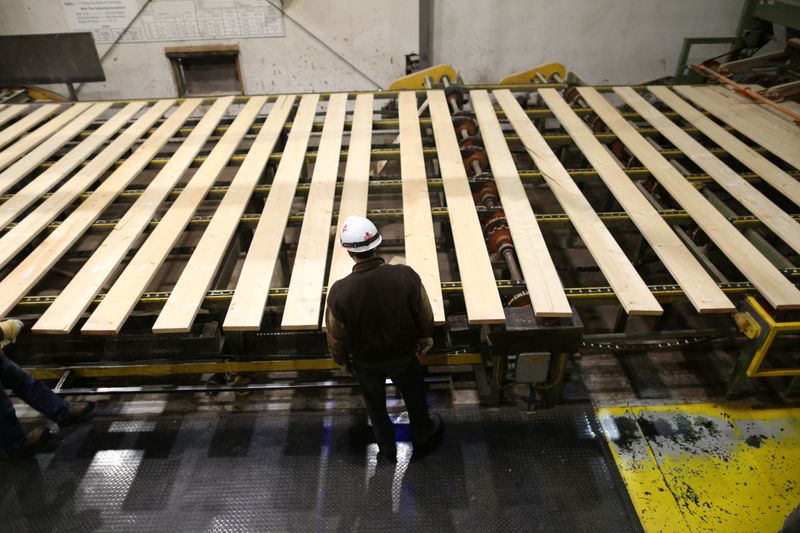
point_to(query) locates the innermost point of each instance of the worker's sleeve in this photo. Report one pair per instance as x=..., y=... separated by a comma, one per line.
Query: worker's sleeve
x=424, y=316
x=337, y=337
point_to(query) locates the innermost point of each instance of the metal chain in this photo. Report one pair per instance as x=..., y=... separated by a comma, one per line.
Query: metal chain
x=646, y=346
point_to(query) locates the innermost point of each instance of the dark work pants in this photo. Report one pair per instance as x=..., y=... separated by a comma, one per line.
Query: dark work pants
x=409, y=377
x=30, y=390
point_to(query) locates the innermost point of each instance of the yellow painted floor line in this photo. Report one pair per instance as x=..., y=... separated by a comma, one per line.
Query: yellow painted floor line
x=707, y=467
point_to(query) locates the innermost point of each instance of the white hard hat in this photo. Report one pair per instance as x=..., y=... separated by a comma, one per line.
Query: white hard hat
x=359, y=234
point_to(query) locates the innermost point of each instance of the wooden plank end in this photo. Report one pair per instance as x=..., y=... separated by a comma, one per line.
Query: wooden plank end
x=645, y=311
x=708, y=310
x=171, y=329
x=241, y=327
x=49, y=330
x=299, y=326
x=785, y=306
x=98, y=330
x=476, y=321
x=552, y=314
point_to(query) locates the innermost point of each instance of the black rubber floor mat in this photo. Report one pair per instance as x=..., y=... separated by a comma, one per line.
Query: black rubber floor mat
x=494, y=470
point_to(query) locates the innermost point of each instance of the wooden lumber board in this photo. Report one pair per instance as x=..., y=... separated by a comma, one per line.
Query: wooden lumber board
x=743, y=121
x=699, y=287
x=38, y=219
x=481, y=296
x=420, y=244
x=355, y=188
x=770, y=282
x=629, y=288
x=382, y=164
x=16, y=172
x=75, y=298
x=122, y=297
x=544, y=286
x=252, y=287
x=33, y=191
x=45, y=131
x=9, y=112
x=751, y=198
x=36, y=264
x=187, y=296
x=769, y=172
x=780, y=133
x=794, y=106
x=30, y=120
x=766, y=115
x=302, y=308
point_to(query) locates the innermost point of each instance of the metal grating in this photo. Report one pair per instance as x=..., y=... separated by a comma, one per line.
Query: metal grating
x=500, y=470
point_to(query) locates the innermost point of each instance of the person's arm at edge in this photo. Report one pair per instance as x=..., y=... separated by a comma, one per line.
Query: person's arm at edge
x=424, y=320
x=336, y=336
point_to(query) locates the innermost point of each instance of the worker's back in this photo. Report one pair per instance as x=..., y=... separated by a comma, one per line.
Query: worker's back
x=379, y=306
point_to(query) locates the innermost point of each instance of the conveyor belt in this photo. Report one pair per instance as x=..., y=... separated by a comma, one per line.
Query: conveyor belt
x=69, y=184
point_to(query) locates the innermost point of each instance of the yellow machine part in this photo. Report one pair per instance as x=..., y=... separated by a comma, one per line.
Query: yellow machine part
x=747, y=325
x=774, y=328
x=416, y=80
x=707, y=467
x=39, y=93
x=529, y=76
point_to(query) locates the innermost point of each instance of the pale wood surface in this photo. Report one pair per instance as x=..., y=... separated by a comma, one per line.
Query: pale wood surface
x=195, y=280
x=765, y=115
x=420, y=244
x=30, y=120
x=756, y=162
x=40, y=134
x=699, y=287
x=75, y=298
x=794, y=106
x=252, y=288
x=744, y=120
x=751, y=198
x=629, y=288
x=9, y=112
x=779, y=291
x=37, y=263
x=38, y=219
x=477, y=277
x=16, y=172
x=119, y=301
x=33, y=191
x=544, y=286
x=355, y=187
x=302, y=308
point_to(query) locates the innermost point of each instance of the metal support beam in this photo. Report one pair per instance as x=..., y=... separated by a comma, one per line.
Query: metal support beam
x=425, y=33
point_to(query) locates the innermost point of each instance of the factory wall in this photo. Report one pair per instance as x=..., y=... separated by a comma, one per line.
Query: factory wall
x=604, y=41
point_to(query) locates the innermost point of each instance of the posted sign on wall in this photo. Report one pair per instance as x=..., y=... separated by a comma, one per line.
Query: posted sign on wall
x=174, y=20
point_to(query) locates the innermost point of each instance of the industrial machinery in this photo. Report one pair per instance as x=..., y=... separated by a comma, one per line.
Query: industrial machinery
x=186, y=245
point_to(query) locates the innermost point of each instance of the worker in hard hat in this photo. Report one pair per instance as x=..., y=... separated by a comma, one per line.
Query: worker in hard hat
x=14, y=442
x=378, y=322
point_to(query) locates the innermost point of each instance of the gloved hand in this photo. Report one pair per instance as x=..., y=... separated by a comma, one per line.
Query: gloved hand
x=11, y=329
x=423, y=345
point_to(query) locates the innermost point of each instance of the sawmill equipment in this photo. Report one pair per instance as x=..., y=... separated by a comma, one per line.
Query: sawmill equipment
x=176, y=238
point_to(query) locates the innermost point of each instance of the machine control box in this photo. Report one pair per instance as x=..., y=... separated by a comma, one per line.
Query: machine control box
x=532, y=367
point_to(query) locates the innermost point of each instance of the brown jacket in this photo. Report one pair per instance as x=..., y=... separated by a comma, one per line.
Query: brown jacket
x=377, y=314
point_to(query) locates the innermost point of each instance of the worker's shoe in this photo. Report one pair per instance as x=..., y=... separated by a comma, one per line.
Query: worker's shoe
x=425, y=445
x=78, y=412
x=34, y=441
